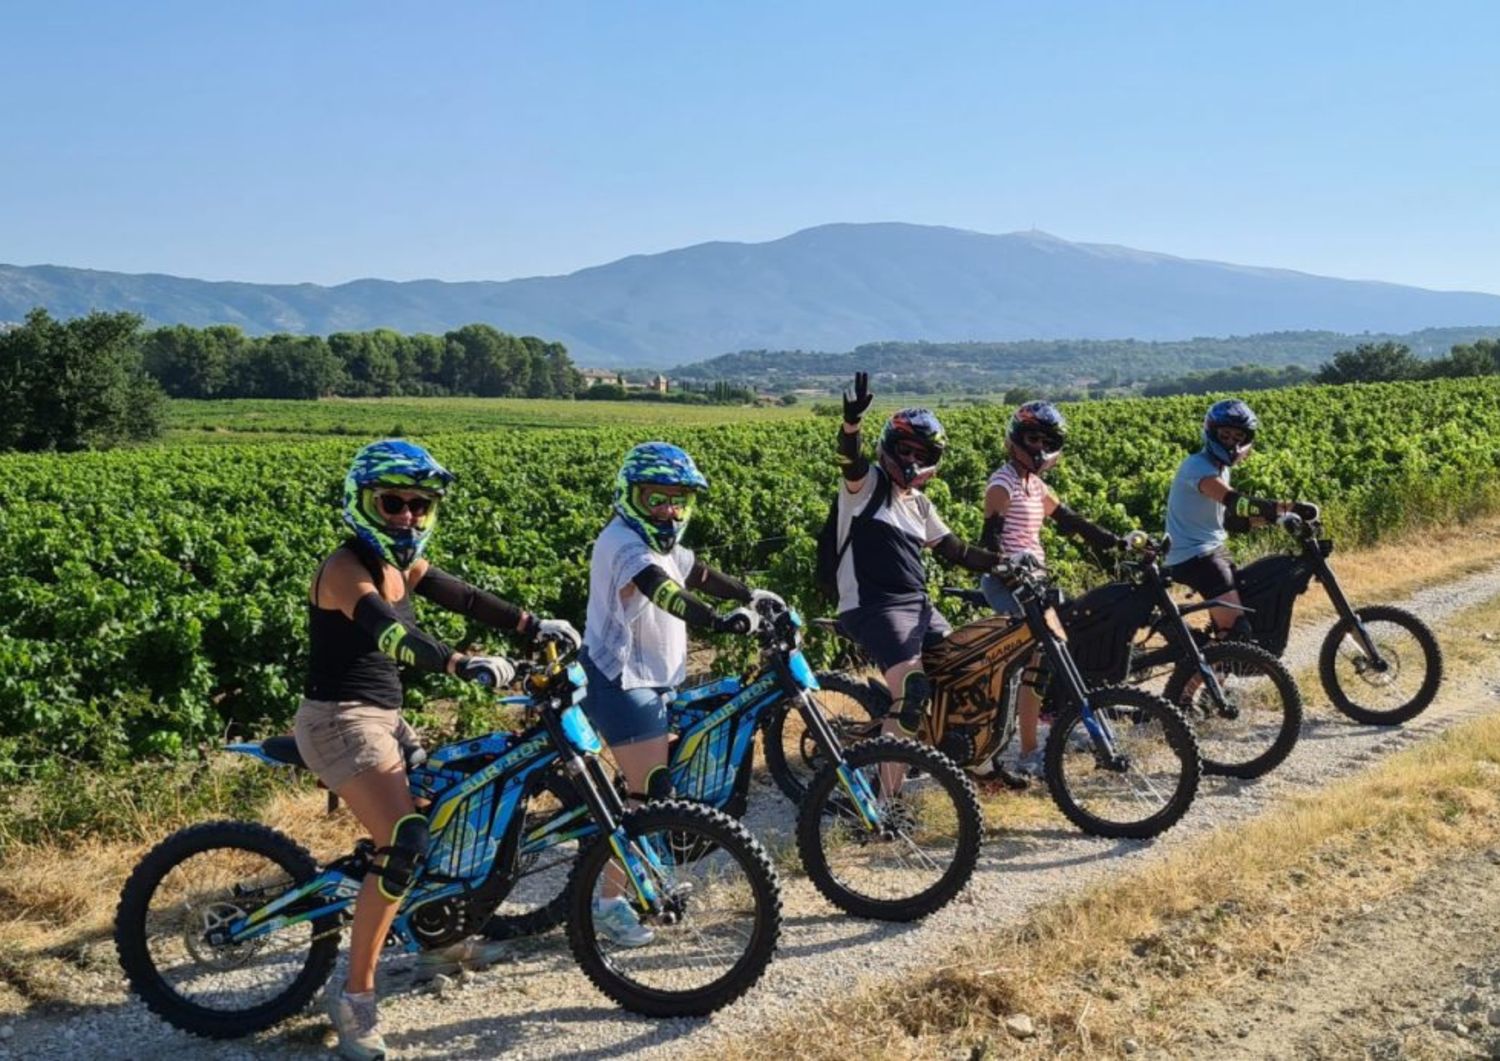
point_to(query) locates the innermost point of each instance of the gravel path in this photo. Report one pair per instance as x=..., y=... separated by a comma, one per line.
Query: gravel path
x=539, y=1004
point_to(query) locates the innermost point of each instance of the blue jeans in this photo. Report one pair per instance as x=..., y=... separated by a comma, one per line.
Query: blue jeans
x=1001, y=599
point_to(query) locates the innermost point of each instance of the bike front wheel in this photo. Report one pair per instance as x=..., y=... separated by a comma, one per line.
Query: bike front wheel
x=203, y=878
x=1257, y=726
x=852, y=709
x=1394, y=689
x=1144, y=787
x=922, y=845
x=713, y=932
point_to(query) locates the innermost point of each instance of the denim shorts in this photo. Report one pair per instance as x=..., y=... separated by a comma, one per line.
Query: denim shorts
x=999, y=596
x=624, y=716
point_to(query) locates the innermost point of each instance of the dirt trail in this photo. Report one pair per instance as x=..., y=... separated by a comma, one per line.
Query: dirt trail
x=1417, y=975
x=539, y=1005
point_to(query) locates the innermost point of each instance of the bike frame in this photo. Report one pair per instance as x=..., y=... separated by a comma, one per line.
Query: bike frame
x=475, y=819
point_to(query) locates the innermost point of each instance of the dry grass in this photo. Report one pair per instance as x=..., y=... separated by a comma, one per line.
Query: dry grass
x=1130, y=957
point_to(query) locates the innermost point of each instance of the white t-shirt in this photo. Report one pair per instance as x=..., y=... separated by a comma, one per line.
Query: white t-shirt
x=627, y=637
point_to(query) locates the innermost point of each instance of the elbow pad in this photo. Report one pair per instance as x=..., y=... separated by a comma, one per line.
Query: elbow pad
x=717, y=584
x=1236, y=524
x=956, y=552
x=1071, y=523
x=1246, y=506
x=453, y=593
x=398, y=639
x=668, y=595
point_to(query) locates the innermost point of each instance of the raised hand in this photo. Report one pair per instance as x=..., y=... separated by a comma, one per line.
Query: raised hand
x=854, y=407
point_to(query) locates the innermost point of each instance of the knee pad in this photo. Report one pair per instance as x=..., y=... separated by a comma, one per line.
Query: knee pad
x=404, y=856
x=916, y=694
x=658, y=785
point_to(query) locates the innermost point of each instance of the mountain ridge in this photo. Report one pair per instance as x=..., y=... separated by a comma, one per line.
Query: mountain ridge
x=830, y=287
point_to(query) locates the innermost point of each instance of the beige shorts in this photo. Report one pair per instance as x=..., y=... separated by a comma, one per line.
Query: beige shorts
x=342, y=739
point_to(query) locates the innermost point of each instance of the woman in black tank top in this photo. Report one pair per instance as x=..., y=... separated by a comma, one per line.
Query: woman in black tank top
x=362, y=627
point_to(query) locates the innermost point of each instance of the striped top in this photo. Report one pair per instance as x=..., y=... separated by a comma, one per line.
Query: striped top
x=1023, y=520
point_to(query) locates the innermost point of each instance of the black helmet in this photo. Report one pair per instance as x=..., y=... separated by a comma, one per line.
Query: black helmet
x=911, y=446
x=1049, y=429
x=1231, y=412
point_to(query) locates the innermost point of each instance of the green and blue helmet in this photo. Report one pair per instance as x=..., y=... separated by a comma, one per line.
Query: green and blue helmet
x=394, y=464
x=661, y=464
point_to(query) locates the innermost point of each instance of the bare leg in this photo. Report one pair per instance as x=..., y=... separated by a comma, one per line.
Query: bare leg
x=1225, y=618
x=893, y=776
x=1029, y=709
x=636, y=761
x=379, y=799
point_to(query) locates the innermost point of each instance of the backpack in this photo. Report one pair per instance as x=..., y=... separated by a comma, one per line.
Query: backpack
x=830, y=552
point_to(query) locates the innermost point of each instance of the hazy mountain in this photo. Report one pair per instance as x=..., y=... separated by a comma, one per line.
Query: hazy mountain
x=828, y=288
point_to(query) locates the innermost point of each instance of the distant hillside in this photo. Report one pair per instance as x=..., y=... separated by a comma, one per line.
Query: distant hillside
x=967, y=367
x=828, y=288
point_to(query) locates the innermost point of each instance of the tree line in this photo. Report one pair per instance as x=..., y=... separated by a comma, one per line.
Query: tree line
x=96, y=381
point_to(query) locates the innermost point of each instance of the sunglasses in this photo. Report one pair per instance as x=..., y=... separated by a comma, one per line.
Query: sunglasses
x=1040, y=440
x=394, y=505
x=913, y=451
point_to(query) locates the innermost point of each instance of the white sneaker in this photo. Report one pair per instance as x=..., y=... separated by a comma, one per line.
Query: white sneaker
x=1033, y=764
x=618, y=923
x=357, y=1021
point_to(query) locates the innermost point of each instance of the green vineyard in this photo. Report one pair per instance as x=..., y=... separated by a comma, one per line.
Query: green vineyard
x=155, y=598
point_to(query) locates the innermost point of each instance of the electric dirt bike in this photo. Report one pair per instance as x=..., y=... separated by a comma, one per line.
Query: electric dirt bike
x=1379, y=665
x=228, y=927
x=1120, y=762
x=874, y=845
x=1243, y=705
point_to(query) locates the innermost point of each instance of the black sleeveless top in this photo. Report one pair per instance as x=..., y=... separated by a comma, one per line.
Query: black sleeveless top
x=345, y=663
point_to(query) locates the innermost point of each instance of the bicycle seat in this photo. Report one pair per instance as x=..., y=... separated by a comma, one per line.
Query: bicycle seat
x=968, y=596
x=284, y=750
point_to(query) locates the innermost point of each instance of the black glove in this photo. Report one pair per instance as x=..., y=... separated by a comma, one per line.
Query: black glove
x=739, y=621
x=854, y=408
x=1305, y=510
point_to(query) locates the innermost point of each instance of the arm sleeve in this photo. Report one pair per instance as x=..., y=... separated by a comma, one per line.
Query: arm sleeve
x=1236, y=524
x=397, y=638
x=951, y=549
x=717, y=584
x=994, y=531
x=453, y=593
x=662, y=590
x=1071, y=523
x=1242, y=505
x=852, y=461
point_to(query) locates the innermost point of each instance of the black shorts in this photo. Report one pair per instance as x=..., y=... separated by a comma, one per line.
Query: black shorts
x=1210, y=575
x=894, y=634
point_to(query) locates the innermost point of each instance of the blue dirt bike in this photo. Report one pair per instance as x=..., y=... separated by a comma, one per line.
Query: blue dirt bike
x=228, y=927
x=889, y=829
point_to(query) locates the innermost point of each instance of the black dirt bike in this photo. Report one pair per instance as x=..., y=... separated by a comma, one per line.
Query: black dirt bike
x=1379, y=665
x=1243, y=705
x=1120, y=762
x=890, y=851
x=229, y=927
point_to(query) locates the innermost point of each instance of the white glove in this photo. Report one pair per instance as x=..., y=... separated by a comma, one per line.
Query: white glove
x=759, y=597
x=492, y=672
x=558, y=630
x=739, y=621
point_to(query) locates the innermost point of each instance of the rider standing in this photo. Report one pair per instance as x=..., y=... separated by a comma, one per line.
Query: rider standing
x=1202, y=509
x=884, y=524
x=641, y=602
x=349, y=728
x=1016, y=503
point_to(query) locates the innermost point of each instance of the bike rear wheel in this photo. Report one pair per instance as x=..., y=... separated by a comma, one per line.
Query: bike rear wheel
x=1150, y=784
x=792, y=754
x=198, y=879
x=719, y=926
x=916, y=857
x=1264, y=716
x=1396, y=690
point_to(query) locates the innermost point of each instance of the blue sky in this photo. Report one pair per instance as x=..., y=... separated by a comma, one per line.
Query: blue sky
x=327, y=141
